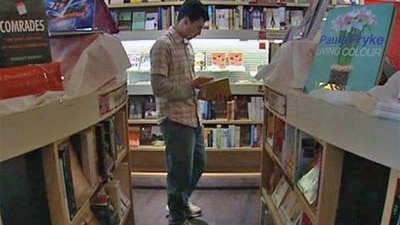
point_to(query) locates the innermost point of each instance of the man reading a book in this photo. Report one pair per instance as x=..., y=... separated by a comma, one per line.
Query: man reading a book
x=174, y=83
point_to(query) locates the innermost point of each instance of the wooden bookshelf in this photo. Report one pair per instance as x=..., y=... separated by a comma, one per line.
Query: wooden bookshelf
x=227, y=160
x=342, y=130
x=44, y=128
x=55, y=120
x=264, y=32
x=206, y=2
x=224, y=160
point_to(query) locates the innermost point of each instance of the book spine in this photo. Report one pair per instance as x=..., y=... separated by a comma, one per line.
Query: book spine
x=237, y=136
x=395, y=217
x=66, y=163
x=64, y=187
x=109, y=133
x=88, y=156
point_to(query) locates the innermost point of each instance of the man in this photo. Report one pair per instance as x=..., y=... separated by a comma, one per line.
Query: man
x=174, y=84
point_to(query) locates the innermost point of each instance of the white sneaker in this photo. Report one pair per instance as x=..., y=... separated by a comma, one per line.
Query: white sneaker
x=195, y=211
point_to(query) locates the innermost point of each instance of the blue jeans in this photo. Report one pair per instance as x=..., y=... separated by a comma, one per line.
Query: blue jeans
x=186, y=160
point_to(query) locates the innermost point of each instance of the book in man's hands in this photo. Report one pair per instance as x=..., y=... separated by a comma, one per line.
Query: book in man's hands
x=211, y=90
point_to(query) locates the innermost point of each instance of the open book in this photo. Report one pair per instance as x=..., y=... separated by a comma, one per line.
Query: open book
x=211, y=90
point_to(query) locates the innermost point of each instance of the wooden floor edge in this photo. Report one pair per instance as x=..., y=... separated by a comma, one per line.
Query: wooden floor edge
x=208, y=180
x=222, y=175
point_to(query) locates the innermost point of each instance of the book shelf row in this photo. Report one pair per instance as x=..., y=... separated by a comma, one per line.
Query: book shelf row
x=291, y=213
x=218, y=136
x=234, y=108
x=79, y=179
x=228, y=17
x=304, y=3
x=205, y=122
x=306, y=173
x=147, y=155
x=298, y=170
x=296, y=157
x=87, y=161
x=306, y=177
x=237, y=107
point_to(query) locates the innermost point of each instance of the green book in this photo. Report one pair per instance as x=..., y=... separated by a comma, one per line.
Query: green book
x=138, y=20
x=124, y=16
x=352, y=48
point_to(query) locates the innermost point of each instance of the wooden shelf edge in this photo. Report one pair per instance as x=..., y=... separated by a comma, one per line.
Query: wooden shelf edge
x=234, y=149
x=268, y=149
x=205, y=122
x=207, y=174
x=125, y=216
x=81, y=213
x=207, y=2
x=272, y=208
x=121, y=156
x=308, y=209
x=83, y=110
x=344, y=132
x=390, y=196
x=142, y=121
x=233, y=122
x=161, y=148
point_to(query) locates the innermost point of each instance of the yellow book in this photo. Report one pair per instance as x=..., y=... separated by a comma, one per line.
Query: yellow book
x=211, y=90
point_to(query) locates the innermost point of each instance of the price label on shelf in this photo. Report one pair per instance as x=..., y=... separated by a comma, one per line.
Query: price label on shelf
x=275, y=101
x=111, y=100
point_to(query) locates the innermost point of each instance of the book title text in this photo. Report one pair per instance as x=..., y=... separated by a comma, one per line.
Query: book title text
x=348, y=45
x=18, y=26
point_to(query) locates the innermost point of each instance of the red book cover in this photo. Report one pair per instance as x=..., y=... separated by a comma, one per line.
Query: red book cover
x=393, y=51
x=305, y=220
x=30, y=80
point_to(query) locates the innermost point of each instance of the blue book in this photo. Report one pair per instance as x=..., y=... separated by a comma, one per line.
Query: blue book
x=352, y=48
x=70, y=15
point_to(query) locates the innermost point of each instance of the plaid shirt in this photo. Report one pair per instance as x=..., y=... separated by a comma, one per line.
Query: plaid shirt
x=172, y=56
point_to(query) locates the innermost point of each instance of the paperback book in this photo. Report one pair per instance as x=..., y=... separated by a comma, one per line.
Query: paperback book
x=70, y=15
x=218, y=60
x=139, y=20
x=351, y=48
x=280, y=192
x=211, y=90
x=24, y=37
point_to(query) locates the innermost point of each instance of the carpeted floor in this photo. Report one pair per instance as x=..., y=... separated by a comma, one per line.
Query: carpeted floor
x=224, y=200
x=220, y=206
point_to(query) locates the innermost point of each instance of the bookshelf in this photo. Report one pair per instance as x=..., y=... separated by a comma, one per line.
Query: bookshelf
x=148, y=158
x=249, y=42
x=65, y=128
x=358, y=152
x=272, y=17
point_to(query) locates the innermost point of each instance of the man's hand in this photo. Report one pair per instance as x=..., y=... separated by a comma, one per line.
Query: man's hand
x=201, y=80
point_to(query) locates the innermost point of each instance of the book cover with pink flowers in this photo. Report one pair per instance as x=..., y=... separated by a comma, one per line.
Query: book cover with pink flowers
x=352, y=47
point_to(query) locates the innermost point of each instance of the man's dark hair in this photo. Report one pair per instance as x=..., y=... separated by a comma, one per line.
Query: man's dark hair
x=194, y=10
